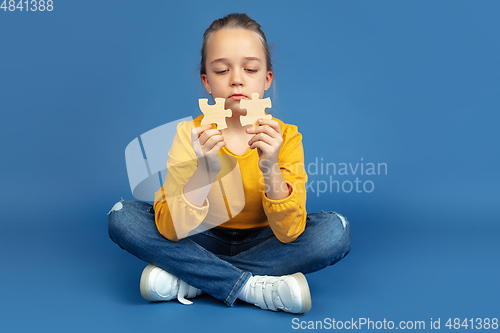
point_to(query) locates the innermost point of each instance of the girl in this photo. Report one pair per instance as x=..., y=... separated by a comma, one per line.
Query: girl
x=258, y=255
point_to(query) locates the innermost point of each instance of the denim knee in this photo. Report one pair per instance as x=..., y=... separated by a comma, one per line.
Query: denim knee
x=341, y=240
x=124, y=219
x=331, y=235
x=115, y=220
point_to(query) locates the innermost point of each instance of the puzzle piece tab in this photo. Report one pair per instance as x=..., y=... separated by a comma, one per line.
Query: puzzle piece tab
x=214, y=113
x=255, y=110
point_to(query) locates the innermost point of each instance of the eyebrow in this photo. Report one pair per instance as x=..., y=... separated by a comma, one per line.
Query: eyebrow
x=226, y=60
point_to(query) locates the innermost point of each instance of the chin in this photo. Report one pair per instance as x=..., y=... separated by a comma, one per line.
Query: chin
x=234, y=106
x=238, y=112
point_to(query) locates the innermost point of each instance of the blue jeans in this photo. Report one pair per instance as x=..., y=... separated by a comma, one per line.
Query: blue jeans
x=220, y=261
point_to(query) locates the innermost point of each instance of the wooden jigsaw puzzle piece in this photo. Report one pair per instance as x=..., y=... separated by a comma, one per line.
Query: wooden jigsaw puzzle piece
x=255, y=110
x=214, y=113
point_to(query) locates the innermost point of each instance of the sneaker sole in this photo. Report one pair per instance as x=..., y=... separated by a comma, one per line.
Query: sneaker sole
x=304, y=292
x=144, y=285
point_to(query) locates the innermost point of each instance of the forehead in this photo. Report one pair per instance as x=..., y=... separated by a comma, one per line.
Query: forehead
x=234, y=43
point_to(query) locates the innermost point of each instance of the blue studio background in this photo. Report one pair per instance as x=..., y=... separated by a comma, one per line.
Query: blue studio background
x=412, y=84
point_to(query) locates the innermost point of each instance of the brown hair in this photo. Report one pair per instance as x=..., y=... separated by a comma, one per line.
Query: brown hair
x=235, y=20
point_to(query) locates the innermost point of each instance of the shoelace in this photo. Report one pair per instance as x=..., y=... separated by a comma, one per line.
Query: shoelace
x=183, y=292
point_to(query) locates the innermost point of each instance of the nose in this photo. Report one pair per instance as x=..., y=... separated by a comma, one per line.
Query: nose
x=236, y=78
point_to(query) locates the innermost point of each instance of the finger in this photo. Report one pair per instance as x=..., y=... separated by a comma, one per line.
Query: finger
x=263, y=149
x=272, y=123
x=216, y=148
x=206, y=135
x=262, y=137
x=268, y=135
x=200, y=129
x=268, y=129
x=251, y=130
x=264, y=146
x=211, y=142
x=197, y=131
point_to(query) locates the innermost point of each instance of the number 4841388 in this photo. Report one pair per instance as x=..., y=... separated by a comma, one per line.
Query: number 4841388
x=28, y=5
x=473, y=323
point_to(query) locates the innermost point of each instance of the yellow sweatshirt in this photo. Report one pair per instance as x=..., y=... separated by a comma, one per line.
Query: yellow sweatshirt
x=237, y=197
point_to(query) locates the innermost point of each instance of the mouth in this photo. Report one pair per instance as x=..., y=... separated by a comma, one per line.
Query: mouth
x=238, y=97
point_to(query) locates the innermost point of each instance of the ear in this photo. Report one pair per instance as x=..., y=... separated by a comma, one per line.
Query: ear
x=269, y=79
x=204, y=79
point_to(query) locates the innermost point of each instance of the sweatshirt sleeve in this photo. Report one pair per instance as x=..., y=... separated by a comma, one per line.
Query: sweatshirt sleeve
x=175, y=216
x=287, y=217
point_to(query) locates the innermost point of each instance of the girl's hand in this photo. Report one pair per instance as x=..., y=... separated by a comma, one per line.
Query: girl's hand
x=207, y=143
x=267, y=140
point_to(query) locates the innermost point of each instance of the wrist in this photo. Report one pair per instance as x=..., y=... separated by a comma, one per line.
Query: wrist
x=270, y=170
x=207, y=172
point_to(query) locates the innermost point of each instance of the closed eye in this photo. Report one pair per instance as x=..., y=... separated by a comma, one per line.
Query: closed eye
x=248, y=70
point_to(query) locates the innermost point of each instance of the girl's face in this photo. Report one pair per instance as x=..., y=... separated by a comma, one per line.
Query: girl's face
x=236, y=65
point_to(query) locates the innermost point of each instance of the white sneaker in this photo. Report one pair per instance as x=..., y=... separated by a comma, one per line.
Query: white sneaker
x=159, y=285
x=289, y=293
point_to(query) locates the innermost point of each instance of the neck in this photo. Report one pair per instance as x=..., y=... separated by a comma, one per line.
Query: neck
x=234, y=124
